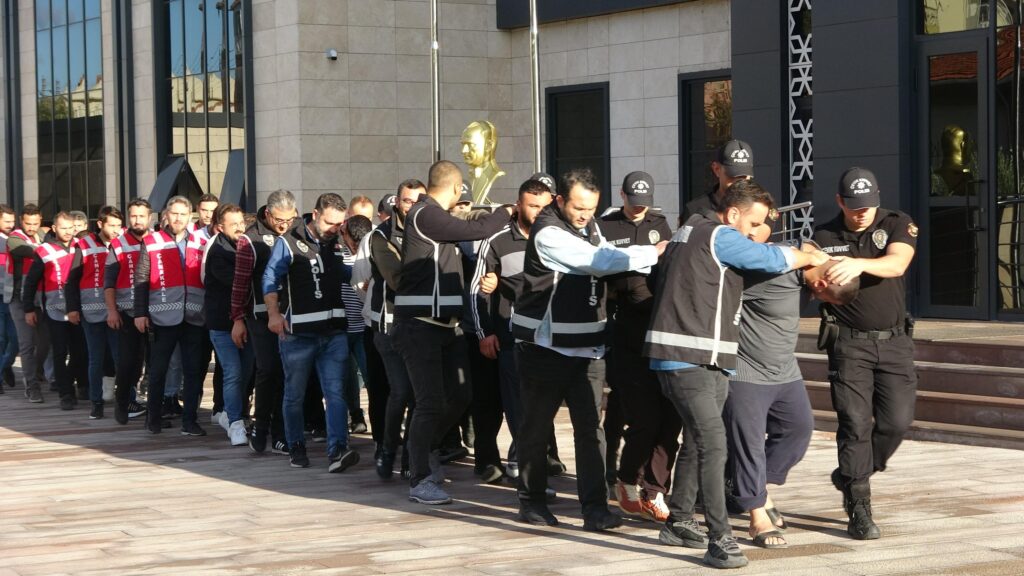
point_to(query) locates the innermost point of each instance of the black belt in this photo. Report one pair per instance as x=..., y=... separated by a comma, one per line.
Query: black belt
x=870, y=334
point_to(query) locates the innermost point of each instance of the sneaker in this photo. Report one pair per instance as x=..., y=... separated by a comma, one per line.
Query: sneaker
x=97, y=411
x=342, y=459
x=176, y=408
x=406, y=473
x=167, y=407
x=297, y=456
x=429, y=492
x=215, y=418
x=628, y=498
x=157, y=426
x=135, y=409
x=550, y=494
x=221, y=419
x=34, y=395
x=108, y=388
x=491, y=474
x=120, y=414
x=654, y=508
x=385, y=462
x=318, y=435
x=724, y=552
x=358, y=424
x=861, y=525
x=192, y=429
x=537, y=514
x=555, y=467
x=8, y=377
x=67, y=402
x=686, y=533
x=279, y=447
x=600, y=521
x=512, y=470
x=236, y=433
x=258, y=441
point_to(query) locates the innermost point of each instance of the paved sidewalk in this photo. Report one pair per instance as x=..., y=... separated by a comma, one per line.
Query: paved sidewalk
x=91, y=497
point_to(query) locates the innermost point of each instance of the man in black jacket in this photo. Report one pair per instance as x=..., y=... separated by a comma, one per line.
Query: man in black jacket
x=428, y=307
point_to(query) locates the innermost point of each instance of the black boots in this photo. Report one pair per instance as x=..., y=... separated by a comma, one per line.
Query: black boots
x=857, y=504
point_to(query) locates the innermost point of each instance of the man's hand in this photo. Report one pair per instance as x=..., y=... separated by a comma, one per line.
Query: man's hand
x=489, y=283
x=75, y=318
x=142, y=324
x=844, y=270
x=661, y=247
x=239, y=335
x=114, y=319
x=276, y=324
x=31, y=319
x=489, y=347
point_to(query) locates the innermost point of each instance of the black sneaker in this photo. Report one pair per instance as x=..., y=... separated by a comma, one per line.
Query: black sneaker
x=861, y=525
x=156, y=426
x=358, y=423
x=97, y=411
x=176, y=408
x=258, y=441
x=341, y=459
x=120, y=414
x=601, y=520
x=491, y=474
x=168, y=406
x=279, y=447
x=318, y=435
x=67, y=402
x=297, y=456
x=555, y=467
x=686, y=533
x=531, y=513
x=385, y=465
x=135, y=409
x=192, y=429
x=724, y=552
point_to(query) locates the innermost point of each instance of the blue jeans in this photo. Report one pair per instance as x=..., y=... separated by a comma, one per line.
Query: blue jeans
x=8, y=337
x=238, y=365
x=98, y=338
x=329, y=354
x=352, y=380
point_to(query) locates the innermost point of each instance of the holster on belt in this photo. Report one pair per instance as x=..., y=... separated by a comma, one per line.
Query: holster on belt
x=908, y=325
x=828, y=331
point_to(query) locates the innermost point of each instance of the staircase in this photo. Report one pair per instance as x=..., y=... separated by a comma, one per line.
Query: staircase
x=970, y=382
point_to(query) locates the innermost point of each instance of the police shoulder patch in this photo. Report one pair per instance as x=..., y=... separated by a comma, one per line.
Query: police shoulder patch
x=912, y=230
x=268, y=239
x=654, y=236
x=880, y=238
x=302, y=246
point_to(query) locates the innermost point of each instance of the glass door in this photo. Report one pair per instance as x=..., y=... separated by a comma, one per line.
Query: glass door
x=954, y=195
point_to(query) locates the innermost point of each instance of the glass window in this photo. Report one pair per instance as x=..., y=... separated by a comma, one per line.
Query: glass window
x=1009, y=178
x=707, y=125
x=941, y=16
x=205, y=97
x=69, y=84
x=578, y=134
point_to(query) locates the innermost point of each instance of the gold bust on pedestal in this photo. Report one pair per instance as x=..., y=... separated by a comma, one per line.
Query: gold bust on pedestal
x=952, y=177
x=479, y=143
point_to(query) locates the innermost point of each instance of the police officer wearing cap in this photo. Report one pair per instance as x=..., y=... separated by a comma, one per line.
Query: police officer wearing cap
x=651, y=442
x=733, y=161
x=869, y=341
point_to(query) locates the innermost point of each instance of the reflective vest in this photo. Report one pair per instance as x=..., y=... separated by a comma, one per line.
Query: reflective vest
x=382, y=298
x=314, y=284
x=175, y=289
x=126, y=253
x=13, y=268
x=94, y=259
x=6, y=280
x=56, y=265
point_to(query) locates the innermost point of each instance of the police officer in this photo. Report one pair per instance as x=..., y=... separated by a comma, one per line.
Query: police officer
x=651, y=441
x=871, y=352
x=734, y=161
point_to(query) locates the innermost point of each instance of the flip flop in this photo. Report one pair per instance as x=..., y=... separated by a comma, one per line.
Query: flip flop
x=774, y=515
x=762, y=539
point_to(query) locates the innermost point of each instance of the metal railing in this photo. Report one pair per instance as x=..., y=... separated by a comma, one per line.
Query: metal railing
x=793, y=227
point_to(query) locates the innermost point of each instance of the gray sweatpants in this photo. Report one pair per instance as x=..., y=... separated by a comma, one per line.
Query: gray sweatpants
x=33, y=346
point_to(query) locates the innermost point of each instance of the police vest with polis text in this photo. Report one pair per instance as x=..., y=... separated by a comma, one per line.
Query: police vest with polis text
x=314, y=283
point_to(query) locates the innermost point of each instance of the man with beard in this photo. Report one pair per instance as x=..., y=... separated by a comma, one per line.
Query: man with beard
x=33, y=342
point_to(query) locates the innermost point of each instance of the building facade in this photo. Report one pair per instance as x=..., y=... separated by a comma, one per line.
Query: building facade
x=105, y=100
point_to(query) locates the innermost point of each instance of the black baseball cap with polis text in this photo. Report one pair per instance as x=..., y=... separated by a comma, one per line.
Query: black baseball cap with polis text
x=639, y=188
x=545, y=179
x=737, y=158
x=858, y=188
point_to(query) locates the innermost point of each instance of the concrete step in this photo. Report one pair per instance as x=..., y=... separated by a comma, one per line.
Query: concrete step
x=976, y=380
x=1005, y=352
x=942, y=432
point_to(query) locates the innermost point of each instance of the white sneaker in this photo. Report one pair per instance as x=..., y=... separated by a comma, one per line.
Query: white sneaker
x=222, y=420
x=236, y=432
x=215, y=418
x=108, y=388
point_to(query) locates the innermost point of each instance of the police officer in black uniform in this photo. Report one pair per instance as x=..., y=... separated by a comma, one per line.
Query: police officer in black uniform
x=734, y=161
x=869, y=341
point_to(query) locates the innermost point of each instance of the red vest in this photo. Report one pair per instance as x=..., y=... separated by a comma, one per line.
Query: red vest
x=26, y=263
x=6, y=281
x=56, y=265
x=94, y=259
x=175, y=289
x=126, y=253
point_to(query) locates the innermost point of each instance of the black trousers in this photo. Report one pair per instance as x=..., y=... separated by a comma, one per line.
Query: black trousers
x=547, y=379
x=400, y=395
x=780, y=411
x=163, y=339
x=377, y=387
x=65, y=337
x=614, y=421
x=652, y=435
x=439, y=372
x=269, y=391
x=486, y=406
x=874, y=388
x=131, y=353
x=699, y=395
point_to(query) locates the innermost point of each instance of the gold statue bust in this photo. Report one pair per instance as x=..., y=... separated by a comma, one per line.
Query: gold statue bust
x=952, y=176
x=479, y=142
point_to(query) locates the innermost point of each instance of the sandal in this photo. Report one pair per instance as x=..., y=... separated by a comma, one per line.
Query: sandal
x=762, y=540
x=775, y=516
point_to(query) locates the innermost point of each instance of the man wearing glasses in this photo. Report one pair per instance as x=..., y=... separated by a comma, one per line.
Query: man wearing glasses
x=249, y=315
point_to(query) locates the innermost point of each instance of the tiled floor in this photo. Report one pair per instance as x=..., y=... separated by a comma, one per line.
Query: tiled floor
x=92, y=497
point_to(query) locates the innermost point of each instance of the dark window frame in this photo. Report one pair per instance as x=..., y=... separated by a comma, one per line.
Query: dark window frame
x=550, y=95
x=684, y=81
